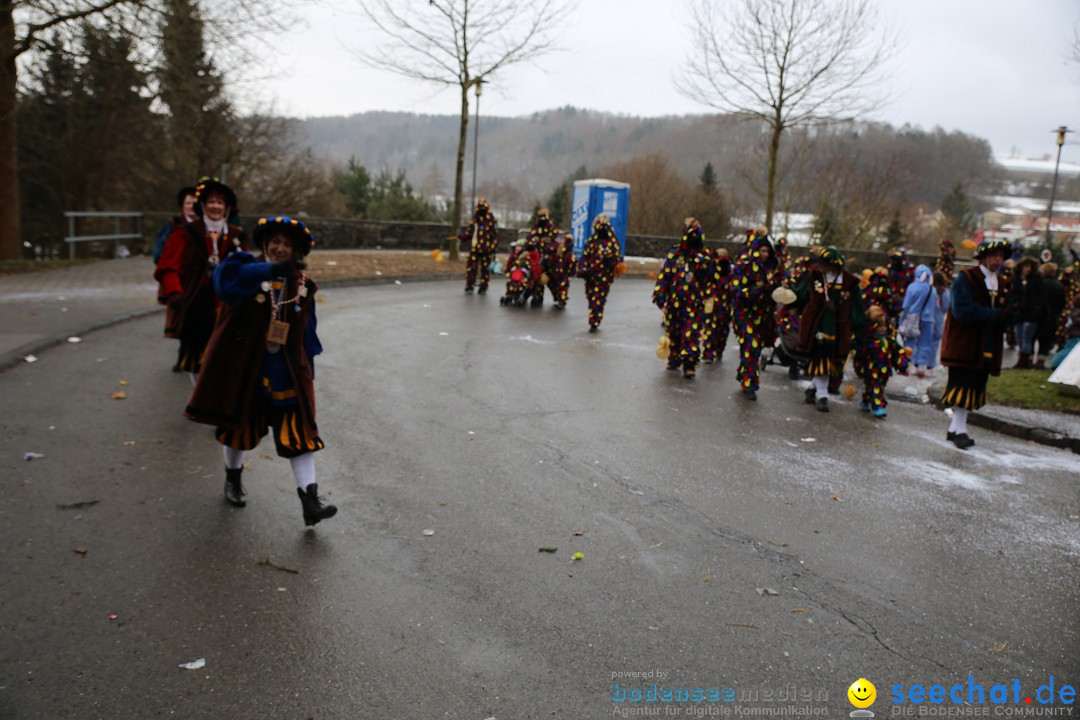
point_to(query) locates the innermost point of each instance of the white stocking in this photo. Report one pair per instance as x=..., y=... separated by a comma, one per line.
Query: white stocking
x=234, y=459
x=821, y=386
x=959, y=421
x=303, y=467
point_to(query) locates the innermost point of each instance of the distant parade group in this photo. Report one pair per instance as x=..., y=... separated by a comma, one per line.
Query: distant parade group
x=243, y=311
x=810, y=314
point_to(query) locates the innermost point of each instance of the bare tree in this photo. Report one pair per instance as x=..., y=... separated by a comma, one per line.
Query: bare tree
x=662, y=199
x=28, y=26
x=459, y=43
x=787, y=63
x=24, y=26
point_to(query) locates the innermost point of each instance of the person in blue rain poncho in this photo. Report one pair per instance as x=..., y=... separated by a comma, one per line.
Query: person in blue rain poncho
x=921, y=299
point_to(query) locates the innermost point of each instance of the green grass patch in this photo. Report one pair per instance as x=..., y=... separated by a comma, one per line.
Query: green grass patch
x=1029, y=389
x=18, y=267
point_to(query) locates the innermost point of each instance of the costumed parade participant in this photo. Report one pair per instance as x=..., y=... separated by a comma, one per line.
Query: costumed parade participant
x=718, y=322
x=545, y=237
x=876, y=353
x=684, y=292
x=483, y=237
x=564, y=269
x=1070, y=282
x=972, y=342
x=522, y=273
x=900, y=274
x=876, y=290
x=260, y=363
x=832, y=313
x=783, y=255
x=185, y=200
x=599, y=262
x=946, y=259
x=918, y=317
x=184, y=272
x=756, y=275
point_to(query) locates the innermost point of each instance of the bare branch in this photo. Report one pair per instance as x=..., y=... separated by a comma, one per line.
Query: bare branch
x=459, y=43
x=786, y=62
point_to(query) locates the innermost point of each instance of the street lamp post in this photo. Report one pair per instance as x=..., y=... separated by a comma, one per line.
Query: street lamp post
x=479, y=85
x=1061, y=131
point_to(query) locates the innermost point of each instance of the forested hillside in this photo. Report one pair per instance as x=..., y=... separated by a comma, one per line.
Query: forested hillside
x=870, y=170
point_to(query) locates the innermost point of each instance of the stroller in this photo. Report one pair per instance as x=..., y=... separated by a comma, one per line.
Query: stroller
x=785, y=349
x=783, y=353
x=521, y=277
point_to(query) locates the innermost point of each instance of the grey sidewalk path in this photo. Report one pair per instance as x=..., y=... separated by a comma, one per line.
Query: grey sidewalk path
x=1060, y=430
x=45, y=308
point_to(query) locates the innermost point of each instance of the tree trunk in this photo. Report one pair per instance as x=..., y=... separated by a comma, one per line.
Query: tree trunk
x=10, y=237
x=459, y=172
x=774, y=155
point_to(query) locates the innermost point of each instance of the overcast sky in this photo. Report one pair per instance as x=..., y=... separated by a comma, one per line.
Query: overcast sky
x=997, y=69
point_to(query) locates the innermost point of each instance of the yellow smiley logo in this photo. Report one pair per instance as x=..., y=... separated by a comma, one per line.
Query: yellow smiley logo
x=862, y=693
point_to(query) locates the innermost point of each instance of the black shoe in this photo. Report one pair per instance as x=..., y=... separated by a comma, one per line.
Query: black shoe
x=177, y=368
x=810, y=395
x=960, y=440
x=793, y=371
x=314, y=508
x=560, y=306
x=593, y=328
x=823, y=405
x=750, y=394
x=468, y=288
x=482, y=291
x=234, y=489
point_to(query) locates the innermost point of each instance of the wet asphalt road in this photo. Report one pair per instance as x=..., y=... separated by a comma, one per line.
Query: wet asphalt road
x=894, y=556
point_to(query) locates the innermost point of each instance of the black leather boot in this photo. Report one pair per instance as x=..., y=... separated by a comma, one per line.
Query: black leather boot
x=234, y=489
x=314, y=507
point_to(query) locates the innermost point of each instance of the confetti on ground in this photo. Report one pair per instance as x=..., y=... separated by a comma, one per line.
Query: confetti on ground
x=194, y=664
x=30, y=358
x=577, y=556
x=74, y=339
x=118, y=395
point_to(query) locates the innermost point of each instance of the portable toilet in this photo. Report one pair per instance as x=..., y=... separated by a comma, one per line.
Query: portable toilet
x=599, y=197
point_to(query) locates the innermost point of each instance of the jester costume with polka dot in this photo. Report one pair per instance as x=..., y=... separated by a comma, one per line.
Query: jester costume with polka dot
x=483, y=238
x=875, y=355
x=757, y=274
x=598, y=261
x=684, y=285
